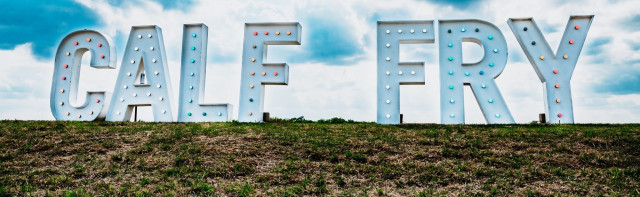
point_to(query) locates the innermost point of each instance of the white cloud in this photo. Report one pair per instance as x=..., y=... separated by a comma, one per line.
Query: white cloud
x=25, y=85
x=318, y=90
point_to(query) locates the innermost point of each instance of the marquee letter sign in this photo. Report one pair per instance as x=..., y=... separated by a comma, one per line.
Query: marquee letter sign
x=255, y=73
x=66, y=73
x=143, y=79
x=554, y=69
x=480, y=75
x=193, y=73
x=391, y=72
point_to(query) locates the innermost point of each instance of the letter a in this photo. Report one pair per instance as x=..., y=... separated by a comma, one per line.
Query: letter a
x=143, y=79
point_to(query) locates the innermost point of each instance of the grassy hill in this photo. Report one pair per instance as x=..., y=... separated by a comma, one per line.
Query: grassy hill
x=290, y=158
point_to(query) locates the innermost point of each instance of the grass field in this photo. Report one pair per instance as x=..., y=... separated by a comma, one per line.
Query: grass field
x=297, y=157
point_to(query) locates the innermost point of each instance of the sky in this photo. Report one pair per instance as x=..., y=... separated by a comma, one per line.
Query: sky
x=333, y=71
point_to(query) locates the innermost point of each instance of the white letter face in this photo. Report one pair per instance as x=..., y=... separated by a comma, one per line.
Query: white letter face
x=143, y=79
x=391, y=72
x=480, y=76
x=192, y=79
x=554, y=69
x=67, y=72
x=255, y=73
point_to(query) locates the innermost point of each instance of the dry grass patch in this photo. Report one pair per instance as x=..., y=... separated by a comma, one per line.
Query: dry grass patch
x=331, y=157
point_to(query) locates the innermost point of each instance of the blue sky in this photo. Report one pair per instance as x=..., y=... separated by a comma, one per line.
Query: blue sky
x=333, y=71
